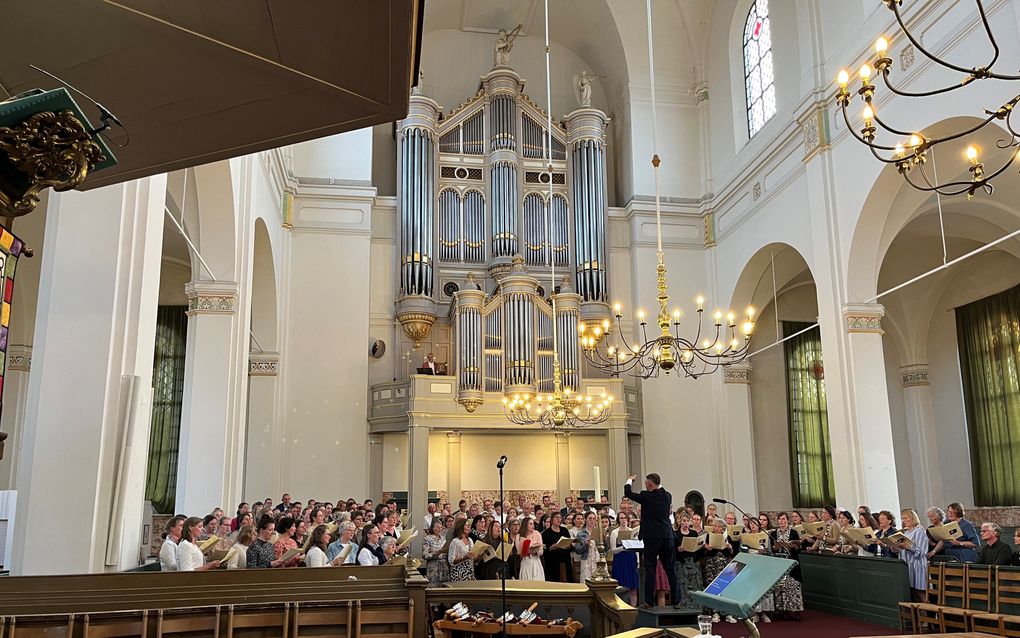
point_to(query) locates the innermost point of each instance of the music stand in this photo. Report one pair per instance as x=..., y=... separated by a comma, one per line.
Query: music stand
x=742, y=585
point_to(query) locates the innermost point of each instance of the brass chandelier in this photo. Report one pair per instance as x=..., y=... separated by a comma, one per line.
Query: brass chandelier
x=605, y=345
x=910, y=152
x=564, y=408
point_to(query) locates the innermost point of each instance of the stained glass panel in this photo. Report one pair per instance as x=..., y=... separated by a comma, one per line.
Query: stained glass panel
x=758, y=71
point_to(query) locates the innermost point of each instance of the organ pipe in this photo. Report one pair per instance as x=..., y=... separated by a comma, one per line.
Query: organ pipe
x=417, y=185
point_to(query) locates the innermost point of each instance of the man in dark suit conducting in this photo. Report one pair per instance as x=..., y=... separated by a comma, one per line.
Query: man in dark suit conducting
x=657, y=534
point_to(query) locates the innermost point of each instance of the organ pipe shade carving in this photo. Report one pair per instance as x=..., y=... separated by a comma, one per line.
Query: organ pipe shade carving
x=589, y=194
x=417, y=190
x=504, y=209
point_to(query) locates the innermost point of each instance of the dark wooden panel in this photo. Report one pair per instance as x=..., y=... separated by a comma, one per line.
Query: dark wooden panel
x=868, y=589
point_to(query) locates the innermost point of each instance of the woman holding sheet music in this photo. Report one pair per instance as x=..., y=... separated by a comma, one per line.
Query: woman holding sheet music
x=462, y=562
x=789, y=595
x=688, y=575
x=189, y=556
x=344, y=545
x=625, y=569
x=886, y=528
x=316, y=556
x=492, y=568
x=964, y=548
x=437, y=568
x=529, y=547
x=914, y=556
x=767, y=603
x=559, y=565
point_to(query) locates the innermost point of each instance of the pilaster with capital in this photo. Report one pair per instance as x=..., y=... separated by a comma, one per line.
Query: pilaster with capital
x=739, y=439
x=920, y=421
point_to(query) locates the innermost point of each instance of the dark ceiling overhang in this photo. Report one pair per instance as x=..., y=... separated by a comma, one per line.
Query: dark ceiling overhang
x=195, y=81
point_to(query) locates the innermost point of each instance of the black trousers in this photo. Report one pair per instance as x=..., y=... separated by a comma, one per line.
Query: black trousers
x=657, y=549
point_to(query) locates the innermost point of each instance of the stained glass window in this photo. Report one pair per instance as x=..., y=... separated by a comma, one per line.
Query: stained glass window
x=759, y=87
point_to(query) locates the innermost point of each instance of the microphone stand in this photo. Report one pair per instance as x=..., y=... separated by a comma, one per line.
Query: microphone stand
x=502, y=552
x=724, y=501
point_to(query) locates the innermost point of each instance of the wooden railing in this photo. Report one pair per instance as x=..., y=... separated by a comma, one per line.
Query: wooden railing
x=384, y=602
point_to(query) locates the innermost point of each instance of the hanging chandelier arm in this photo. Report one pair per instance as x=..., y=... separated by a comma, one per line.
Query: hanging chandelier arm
x=887, y=127
x=853, y=131
x=939, y=91
x=893, y=4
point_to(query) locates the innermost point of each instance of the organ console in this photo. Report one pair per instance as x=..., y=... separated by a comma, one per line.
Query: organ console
x=473, y=192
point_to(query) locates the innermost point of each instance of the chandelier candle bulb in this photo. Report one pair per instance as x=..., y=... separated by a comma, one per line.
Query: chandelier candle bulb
x=881, y=47
x=865, y=73
x=701, y=303
x=972, y=154
x=867, y=115
x=843, y=78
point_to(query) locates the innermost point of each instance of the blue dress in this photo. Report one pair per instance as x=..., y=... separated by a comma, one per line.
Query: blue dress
x=625, y=569
x=916, y=557
x=967, y=533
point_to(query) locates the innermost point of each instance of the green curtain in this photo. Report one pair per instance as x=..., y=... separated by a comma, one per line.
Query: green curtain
x=810, y=452
x=167, y=395
x=988, y=332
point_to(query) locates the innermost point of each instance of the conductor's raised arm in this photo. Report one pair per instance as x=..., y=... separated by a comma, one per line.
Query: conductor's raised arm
x=629, y=492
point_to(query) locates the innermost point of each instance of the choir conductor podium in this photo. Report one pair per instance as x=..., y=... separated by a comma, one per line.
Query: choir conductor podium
x=744, y=582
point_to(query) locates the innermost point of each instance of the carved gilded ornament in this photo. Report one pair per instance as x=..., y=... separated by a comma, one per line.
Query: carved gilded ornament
x=416, y=325
x=741, y=375
x=49, y=149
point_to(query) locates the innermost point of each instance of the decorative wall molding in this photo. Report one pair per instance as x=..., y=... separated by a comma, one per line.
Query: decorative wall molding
x=709, y=230
x=907, y=57
x=211, y=297
x=19, y=358
x=816, y=132
x=737, y=373
x=913, y=376
x=263, y=364
x=864, y=318
x=756, y=191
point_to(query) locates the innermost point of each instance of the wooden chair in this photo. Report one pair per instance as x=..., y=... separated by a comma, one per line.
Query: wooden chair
x=174, y=622
x=926, y=614
x=274, y=616
x=41, y=626
x=1007, y=595
x=979, y=593
x=952, y=611
x=321, y=620
x=116, y=625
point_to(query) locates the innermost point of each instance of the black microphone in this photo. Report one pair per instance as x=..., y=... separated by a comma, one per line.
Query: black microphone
x=725, y=502
x=501, y=462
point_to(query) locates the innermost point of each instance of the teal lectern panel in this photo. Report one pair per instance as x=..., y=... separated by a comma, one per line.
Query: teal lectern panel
x=744, y=582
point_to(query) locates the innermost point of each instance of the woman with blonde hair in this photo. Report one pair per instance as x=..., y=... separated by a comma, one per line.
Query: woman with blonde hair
x=916, y=555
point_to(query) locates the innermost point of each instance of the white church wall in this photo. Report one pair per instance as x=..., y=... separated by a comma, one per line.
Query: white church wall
x=324, y=412
x=586, y=451
x=531, y=466
x=383, y=266
x=347, y=156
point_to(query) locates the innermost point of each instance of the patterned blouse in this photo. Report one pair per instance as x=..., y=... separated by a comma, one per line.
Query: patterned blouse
x=260, y=554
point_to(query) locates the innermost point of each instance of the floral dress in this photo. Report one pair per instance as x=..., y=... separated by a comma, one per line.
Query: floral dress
x=789, y=596
x=688, y=574
x=437, y=567
x=464, y=570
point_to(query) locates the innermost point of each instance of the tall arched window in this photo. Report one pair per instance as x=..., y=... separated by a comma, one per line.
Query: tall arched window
x=759, y=86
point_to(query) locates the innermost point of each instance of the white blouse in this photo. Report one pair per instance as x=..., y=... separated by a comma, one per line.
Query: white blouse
x=168, y=555
x=240, y=558
x=366, y=557
x=189, y=557
x=316, y=558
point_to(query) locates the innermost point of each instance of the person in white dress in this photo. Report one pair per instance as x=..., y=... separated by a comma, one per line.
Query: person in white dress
x=171, y=536
x=316, y=556
x=189, y=556
x=531, y=564
x=245, y=537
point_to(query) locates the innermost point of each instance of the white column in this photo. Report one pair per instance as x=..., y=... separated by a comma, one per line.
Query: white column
x=208, y=471
x=743, y=487
x=924, y=455
x=454, y=473
x=375, y=467
x=617, y=449
x=85, y=433
x=873, y=477
x=15, y=393
x=261, y=431
x=562, y=466
x=417, y=475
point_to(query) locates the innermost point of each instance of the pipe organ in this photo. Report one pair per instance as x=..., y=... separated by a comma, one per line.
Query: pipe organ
x=473, y=191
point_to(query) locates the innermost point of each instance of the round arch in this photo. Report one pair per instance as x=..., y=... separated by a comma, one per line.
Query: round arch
x=264, y=306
